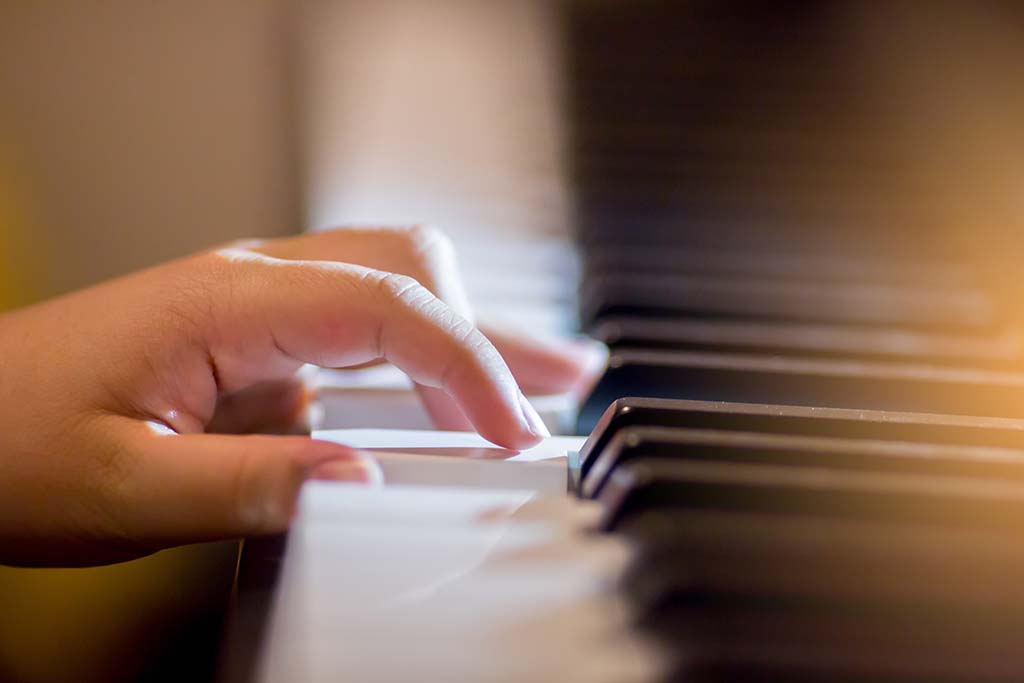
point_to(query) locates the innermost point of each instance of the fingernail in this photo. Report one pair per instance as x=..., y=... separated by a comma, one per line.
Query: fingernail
x=533, y=421
x=363, y=468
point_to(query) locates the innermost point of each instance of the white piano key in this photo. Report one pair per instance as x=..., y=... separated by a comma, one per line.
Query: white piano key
x=433, y=458
x=335, y=503
x=365, y=584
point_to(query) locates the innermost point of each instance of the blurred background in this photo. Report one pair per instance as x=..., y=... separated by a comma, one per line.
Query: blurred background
x=136, y=132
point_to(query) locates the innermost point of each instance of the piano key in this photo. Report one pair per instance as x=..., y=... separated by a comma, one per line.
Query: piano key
x=656, y=226
x=743, y=378
x=990, y=350
x=430, y=458
x=815, y=579
x=771, y=299
x=776, y=186
x=695, y=445
x=828, y=559
x=601, y=258
x=462, y=583
x=382, y=397
x=837, y=423
x=817, y=645
x=629, y=192
x=809, y=491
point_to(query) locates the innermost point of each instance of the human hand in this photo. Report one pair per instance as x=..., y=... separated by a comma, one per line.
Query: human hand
x=108, y=395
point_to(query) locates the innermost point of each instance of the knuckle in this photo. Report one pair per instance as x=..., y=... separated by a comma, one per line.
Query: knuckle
x=213, y=271
x=467, y=335
x=203, y=288
x=403, y=289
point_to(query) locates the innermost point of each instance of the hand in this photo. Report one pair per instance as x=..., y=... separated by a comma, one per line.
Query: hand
x=541, y=366
x=108, y=396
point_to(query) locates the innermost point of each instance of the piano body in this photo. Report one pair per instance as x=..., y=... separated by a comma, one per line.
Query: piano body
x=793, y=224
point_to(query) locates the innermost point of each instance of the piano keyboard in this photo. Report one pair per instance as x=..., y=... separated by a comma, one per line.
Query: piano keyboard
x=804, y=462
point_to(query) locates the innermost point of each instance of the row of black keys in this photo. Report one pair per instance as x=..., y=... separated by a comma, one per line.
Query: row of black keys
x=765, y=327
x=752, y=243
x=793, y=543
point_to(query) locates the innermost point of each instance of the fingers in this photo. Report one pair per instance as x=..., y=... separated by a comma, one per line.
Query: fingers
x=335, y=315
x=188, y=488
x=540, y=366
x=444, y=413
x=420, y=252
x=275, y=407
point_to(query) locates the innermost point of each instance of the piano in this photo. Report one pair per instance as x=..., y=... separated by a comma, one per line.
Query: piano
x=805, y=459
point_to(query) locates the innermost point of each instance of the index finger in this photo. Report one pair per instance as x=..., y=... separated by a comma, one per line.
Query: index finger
x=334, y=315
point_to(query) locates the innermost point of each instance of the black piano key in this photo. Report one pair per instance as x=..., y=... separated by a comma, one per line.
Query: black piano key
x=702, y=581
x=670, y=295
x=823, y=643
x=661, y=227
x=708, y=580
x=843, y=561
x=751, y=263
x=866, y=385
x=817, y=644
x=990, y=350
x=799, y=420
x=651, y=484
x=693, y=445
x=724, y=672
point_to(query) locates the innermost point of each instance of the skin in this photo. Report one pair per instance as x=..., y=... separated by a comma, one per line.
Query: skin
x=129, y=411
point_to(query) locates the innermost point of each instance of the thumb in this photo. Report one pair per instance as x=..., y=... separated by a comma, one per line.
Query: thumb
x=185, y=488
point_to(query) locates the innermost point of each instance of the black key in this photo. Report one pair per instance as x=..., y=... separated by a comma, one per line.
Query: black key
x=818, y=644
x=668, y=295
x=870, y=385
x=796, y=267
x=710, y=584
x=643, y=443
x=652, y=484
x=799, y=420
x=851, y=561
x=995, y=351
